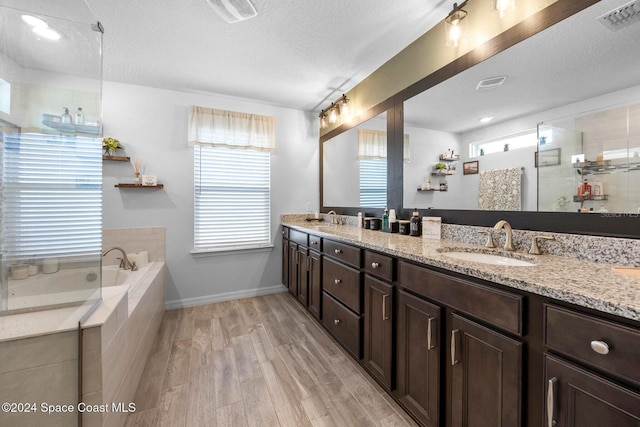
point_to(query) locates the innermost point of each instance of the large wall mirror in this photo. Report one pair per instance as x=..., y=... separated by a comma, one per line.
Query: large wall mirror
x=568, y=110
x=551, y=124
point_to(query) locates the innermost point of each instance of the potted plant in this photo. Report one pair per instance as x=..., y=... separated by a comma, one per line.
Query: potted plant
x=441, y=167
x=109, y=145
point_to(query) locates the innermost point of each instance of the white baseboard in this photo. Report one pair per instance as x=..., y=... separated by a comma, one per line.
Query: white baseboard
x=227, y=296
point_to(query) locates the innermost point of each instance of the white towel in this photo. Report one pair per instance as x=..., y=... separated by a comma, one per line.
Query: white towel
x=500, y=190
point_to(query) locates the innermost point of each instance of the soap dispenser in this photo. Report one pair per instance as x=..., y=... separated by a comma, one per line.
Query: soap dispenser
x=385, y=220
x=66, y=117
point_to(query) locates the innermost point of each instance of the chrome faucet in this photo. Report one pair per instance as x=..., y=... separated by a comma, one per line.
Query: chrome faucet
x=334, y=217
x=508, y=244
x=125, y=264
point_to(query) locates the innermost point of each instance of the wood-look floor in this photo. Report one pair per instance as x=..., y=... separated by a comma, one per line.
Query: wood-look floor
x=253, y=362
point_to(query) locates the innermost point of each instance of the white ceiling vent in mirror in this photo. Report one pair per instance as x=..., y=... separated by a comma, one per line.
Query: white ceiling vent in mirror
x=622, y=16
x=233, y=10
x=491, y=83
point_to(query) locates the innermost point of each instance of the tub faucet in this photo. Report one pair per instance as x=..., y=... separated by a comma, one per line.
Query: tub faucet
x=508, y=244
x=125, y=264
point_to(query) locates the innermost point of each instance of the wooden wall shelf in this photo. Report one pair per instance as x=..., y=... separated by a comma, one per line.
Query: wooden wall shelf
x=150, y=187
x=117, y=158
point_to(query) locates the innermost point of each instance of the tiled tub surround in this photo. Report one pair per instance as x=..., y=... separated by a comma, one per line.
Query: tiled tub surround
x=574, y=280
x=118, y=337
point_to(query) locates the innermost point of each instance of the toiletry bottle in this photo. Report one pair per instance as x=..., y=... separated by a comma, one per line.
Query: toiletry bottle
x=586, y=189
x=79, y=119
x=385, y=220
x=414, y=227
x=360, y=220
x=66, y=117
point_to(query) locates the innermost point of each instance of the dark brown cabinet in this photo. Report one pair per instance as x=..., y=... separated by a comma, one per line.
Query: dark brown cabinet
x=378, y=330
x=303, y=275
x=578, y=398
x=419, y=348
x=315, y=284
x=285, y=262
x=293, y=268
x=486, y=379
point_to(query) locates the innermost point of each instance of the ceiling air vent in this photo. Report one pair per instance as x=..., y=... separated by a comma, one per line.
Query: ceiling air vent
x=622, y=16
x=491, y=83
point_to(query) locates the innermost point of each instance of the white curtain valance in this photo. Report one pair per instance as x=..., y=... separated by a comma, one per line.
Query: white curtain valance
x=231, y=129
x=372, y=144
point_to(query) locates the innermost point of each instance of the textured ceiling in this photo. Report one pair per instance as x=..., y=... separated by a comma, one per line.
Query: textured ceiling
x=574, y=60
x=295, y=53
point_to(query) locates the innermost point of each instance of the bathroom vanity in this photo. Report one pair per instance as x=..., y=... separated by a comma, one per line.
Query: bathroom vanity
x=461, y=343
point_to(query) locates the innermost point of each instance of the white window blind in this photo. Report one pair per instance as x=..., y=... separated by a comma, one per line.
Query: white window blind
x=232, y=198
x=51, y=197
x=373, y=183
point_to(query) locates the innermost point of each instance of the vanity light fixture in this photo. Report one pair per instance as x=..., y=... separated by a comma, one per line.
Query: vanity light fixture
x=333, y=113
x=41, y=28
x=344, y=107
x=502, y=6
x=323, y=120
x=452, y=24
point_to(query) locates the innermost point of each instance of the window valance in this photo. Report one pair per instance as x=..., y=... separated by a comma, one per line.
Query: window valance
x=231, y=129
x=372, y=144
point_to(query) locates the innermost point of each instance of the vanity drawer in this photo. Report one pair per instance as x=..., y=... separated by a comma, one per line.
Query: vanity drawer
x=379, y=265
x=315, y=243
x=579, y=335
x=496, y=307
x=345, y=253
x=285, y=232
x=299, y=237
x=343, y=324
x=343, y=283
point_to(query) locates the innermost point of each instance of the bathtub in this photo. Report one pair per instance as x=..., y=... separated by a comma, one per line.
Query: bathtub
x=113, y=275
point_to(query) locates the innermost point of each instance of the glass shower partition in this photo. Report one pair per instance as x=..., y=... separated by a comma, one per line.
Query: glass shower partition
x=50, y=199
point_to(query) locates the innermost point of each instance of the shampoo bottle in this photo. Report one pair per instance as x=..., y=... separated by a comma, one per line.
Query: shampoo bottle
x=66, y=117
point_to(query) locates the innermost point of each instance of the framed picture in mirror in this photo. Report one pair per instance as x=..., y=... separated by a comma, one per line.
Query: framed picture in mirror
x=547, y=157
x=470, y=168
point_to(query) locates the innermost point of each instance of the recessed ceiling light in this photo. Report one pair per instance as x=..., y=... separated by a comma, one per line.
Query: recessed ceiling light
x=233, y=10
x=47, y=33
x=491, y=83
x=486, y=119
x=33, y=21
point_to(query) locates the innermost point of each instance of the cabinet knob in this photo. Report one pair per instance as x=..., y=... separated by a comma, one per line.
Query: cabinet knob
x=336, y=321
x=337, y=251
x=337, y=281
x=314, y=242
x=600, y=347
x=375, y=265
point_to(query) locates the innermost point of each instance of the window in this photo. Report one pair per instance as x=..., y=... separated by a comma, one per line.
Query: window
x=232, y=175
x=514, y=142
x=52, y=197
x=373, y=183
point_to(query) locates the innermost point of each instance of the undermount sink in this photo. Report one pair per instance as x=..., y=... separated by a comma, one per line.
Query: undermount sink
x=486, y=258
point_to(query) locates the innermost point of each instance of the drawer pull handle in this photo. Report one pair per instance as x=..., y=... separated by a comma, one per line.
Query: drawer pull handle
x=454, y=358
x=337, y=251
x=384, y=307
x=551, y=402
x=375, y=265
x=314, y=242
x=337, y=281
x=336, y=321
x=430, y=333
x=600, y=347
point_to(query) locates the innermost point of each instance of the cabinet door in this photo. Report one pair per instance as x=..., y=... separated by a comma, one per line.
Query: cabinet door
x=418, y=365
x=576, y=398
x=486, y=377
x=303, y=276
x=293, y=268
x=285, y=262
x=378, y=329
x=315, y=285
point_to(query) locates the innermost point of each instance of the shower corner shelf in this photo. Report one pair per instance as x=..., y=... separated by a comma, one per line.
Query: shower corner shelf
x=149, y=187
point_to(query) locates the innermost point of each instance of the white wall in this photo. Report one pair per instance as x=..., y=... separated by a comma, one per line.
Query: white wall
x=152, y=125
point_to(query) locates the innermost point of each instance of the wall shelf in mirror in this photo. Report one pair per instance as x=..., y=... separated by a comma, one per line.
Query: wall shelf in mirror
x=116, y=158
x=53, y=122
x=600, y=168
x=442, y=174
x=593, y=198
x=149, y=187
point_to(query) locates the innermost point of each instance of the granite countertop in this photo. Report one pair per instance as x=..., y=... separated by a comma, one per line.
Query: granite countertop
x=584, y=283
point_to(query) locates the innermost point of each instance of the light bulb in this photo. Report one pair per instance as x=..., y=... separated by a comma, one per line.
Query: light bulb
x=344, y=111
x=333, y=116
x=323, y=122
x=454, y=34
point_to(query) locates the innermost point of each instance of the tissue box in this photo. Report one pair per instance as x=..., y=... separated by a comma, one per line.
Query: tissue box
x=431, y=227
